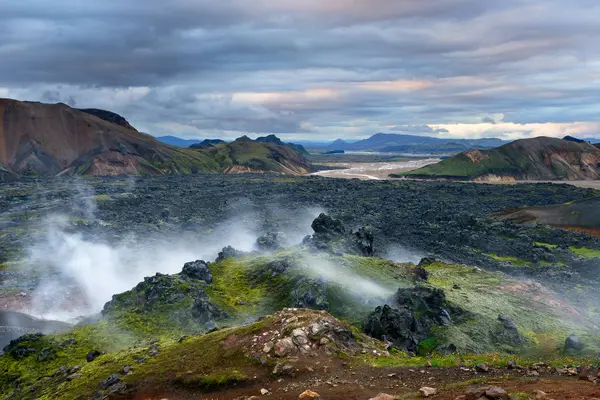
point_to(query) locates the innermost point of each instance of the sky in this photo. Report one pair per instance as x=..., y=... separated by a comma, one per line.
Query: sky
x=313, y=69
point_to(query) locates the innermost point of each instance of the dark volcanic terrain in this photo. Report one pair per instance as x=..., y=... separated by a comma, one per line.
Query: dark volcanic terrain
x=410, y=284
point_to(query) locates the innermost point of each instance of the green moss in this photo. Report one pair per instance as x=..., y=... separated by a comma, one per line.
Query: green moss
x=513, y=260
x=585, y=252
x=208, y=362
x=550, y=246
x=231, y=288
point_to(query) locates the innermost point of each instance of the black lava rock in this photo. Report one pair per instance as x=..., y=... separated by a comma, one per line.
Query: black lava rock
x=197, y=270
x=92, y=355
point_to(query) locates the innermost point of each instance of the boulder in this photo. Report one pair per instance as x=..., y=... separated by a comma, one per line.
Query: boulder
x=496, y=393
x=229, y=251
x=364, y=242
x=483, y=367
x=331, y=236
x=328, y=227
x=573, y=343
x=475, y=392
x=419, y=310
x=92, y=355
x=284, y=346
x=271, y=241
x=427, y=391
x=197, y=270
x=396, y=325
x=509, y=332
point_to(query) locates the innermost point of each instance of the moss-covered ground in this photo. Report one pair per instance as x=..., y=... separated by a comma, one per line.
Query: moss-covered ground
x=247, y=289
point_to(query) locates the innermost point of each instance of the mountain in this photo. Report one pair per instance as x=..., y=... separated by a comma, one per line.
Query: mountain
x=274, y=139
x=175, y=141
x=541, y=158
x=247, y=155
x=108, y=116
x=207, y=144
x=49, y=139
x=396, y=143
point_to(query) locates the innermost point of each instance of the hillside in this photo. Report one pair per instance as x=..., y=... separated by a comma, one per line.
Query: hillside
x=49, y=139
x=540, y=158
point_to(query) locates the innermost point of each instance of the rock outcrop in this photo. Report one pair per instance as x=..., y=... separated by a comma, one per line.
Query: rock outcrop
x=331, y=236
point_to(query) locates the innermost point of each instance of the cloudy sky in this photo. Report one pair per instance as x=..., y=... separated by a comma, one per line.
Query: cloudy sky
x=313, y=69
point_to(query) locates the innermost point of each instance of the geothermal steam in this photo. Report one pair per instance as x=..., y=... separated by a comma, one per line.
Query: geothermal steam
x=80, y=273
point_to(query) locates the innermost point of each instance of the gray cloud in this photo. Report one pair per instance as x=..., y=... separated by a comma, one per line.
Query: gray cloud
x=308, y=67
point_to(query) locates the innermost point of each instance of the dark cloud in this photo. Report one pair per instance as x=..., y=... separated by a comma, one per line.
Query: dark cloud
x=307, y=66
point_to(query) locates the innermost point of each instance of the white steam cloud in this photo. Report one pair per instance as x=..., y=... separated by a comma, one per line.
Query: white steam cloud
x=80, y=272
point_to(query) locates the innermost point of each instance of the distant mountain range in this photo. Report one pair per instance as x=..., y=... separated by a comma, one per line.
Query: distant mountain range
x=54, y=139
x=380, y=142
x=396, y=143
x=541, y=158
x=176, y=141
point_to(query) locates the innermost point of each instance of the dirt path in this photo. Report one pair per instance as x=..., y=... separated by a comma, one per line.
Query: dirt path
x=338, y=381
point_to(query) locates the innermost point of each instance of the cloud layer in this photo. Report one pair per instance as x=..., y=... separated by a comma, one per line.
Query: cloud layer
x=312, y=69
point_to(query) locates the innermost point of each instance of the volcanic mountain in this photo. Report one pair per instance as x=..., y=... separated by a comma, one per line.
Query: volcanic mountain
x=49, y=139
x=540, y=158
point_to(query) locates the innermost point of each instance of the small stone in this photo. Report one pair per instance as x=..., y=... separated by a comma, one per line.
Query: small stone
x=427, y=391
x=496, y=392
x=264, y=392
x=539, y=395
x=323, y=341
x=512, y=364
x=484, y=367
x=309, y=395
x=572, y=371
x=126, y=370
x=533, y=373
x=461, y=397
x=428, y=363
x=268, y=347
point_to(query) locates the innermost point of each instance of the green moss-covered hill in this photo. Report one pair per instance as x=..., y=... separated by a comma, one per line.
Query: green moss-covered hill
x=199, y=327
x=540, y=158
x=50, y=139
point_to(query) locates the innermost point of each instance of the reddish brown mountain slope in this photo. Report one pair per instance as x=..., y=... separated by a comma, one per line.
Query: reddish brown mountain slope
x=50, y=139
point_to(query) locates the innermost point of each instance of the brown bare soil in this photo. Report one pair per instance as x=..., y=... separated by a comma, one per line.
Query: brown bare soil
x=336, y=380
